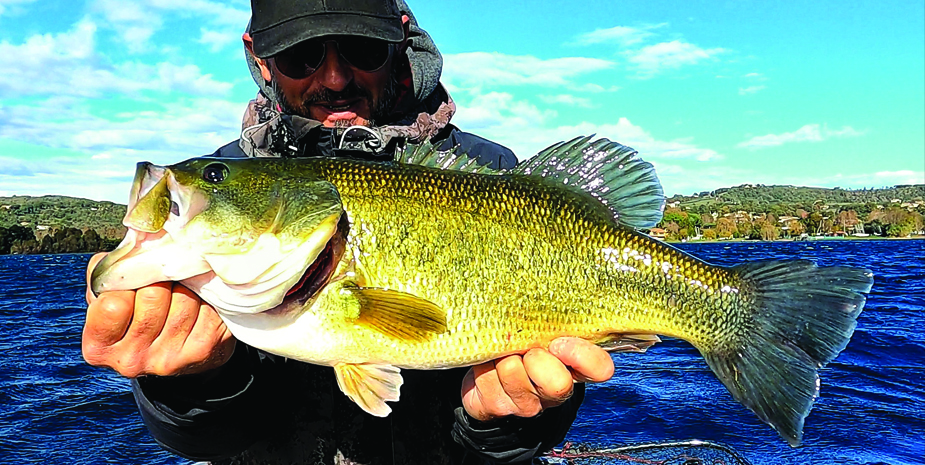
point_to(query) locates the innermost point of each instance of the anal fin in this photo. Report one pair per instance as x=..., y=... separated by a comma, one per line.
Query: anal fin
x=634, y=343
x=370, y=385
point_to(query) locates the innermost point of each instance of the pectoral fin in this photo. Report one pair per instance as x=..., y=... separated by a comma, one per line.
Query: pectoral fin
x=636, y=343
x=370, y=386
x=398, y=314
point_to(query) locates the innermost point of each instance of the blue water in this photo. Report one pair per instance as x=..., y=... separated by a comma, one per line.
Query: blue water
x=54, y=409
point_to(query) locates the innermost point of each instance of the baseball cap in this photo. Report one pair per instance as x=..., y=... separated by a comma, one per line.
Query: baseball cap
x=279, y=24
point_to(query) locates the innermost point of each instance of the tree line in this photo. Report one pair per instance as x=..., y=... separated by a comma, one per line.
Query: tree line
x=758, y=194
x=59, y=212
x=767, y=225
x=19, y=239
x=755, y=211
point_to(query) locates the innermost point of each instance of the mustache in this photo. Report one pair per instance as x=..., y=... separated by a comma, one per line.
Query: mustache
x=352, y=91
x=381, y=107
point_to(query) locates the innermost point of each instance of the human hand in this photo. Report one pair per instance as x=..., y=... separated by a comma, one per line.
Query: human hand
x=163, y=329
x=539, y=379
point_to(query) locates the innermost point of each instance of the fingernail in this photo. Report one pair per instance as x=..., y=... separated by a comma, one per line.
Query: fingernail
x=556, y=346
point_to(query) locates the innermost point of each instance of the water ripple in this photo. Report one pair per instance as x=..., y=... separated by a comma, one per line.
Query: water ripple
x=56, y=409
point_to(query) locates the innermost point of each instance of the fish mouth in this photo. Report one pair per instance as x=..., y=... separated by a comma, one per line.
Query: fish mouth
x=319, y=273
x=157, y=207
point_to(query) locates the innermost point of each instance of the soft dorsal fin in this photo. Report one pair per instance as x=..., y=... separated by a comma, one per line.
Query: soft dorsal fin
x=608, y=171
x=426, y=154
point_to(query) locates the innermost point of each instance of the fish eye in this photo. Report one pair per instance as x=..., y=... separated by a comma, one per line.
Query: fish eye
x=215, y=173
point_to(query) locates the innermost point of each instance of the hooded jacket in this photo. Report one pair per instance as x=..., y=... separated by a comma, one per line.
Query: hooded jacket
x=422, y=110
x=263, y=409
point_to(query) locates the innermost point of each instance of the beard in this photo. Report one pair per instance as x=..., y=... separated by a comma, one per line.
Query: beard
x=380, y=108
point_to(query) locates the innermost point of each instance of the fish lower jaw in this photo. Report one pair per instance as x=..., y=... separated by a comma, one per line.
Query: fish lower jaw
x=294, y=336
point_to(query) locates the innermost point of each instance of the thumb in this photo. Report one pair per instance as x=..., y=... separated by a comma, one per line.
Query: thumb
x=94, y=260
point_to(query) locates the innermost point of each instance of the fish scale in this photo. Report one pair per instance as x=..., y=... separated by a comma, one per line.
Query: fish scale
x=398, y=221
x=369, y=267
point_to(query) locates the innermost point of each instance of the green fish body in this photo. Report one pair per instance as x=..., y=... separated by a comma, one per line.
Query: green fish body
x=434, y=262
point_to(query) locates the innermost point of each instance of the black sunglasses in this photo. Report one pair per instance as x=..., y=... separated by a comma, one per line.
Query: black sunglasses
x=302, y=59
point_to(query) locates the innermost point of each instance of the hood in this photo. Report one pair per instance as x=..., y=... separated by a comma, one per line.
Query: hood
x=421, y=111
x=425, y=61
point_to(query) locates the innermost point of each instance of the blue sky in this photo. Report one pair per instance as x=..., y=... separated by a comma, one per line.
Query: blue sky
x=714, y=93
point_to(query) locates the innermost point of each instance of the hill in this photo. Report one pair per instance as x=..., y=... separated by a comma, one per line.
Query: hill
x=59, y=224
x=779, y=199
x=48, y=213
x=768, y=212
x=37, y=224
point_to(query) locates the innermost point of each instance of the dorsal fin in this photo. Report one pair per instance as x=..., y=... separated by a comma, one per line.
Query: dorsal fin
x=426, y=154
x=608, y=171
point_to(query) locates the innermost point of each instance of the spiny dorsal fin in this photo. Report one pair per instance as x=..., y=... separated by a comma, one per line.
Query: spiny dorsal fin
x=608, y=171
x=427, y=154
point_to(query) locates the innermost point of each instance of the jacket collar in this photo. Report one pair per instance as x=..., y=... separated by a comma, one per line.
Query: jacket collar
x=266, y=132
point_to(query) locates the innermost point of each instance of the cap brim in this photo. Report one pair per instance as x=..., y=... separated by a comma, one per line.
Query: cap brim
x=275, y=39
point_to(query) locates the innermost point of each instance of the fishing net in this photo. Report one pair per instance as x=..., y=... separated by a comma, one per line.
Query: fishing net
x=664, y=453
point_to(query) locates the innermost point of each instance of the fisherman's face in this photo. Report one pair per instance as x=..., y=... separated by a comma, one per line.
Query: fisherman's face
x=337, y=92
x=332, y=89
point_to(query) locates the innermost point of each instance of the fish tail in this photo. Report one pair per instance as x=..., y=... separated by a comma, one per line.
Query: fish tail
x=798, y=317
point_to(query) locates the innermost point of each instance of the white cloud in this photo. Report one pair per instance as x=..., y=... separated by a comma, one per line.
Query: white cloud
x=499, y=112
x=751, y=86
x=131, y=20
x=68, y=175
x=186, y=78
x=689, y=178
x=591, y=87
x=807, y=133
x=57, y=75
x=12, y=6
x=224, y=13
x=508, y=122
x=653, y=59
x=217, y=40
x=15, y=167
x=620, y=35
x=76, y=44
x=137, y=21
x=478, y=69
x=650, y=60
x=750, y=90
x=186, y=129
x=569, y=100
x=107, y=184
x=893, y=178
x=696, y=179
x=679, y=163
x=80, y=71
x=107, y=151
x=650, y=148
x=876, y=179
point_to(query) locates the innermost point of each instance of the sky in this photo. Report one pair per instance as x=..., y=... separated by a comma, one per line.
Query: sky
x=713, y=93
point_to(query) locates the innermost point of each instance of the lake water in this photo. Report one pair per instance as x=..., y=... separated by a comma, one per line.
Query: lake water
x=55, y=409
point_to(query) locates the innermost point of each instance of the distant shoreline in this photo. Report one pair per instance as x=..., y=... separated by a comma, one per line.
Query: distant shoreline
x=823, y=239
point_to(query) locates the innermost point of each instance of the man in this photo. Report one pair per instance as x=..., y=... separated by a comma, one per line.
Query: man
x=325, y=67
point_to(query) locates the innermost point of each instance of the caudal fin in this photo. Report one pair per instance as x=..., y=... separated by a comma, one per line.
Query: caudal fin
x=800, y=317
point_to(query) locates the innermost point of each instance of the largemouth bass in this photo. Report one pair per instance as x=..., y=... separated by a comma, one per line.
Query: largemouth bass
x=435, y=262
